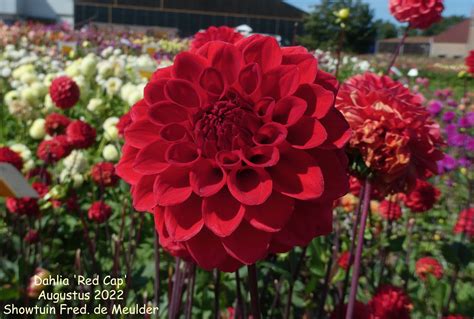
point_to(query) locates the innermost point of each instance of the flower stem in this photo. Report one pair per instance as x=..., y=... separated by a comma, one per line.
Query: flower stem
x=358, y=255
x=157, y=270
x=190, y=294
x=397, y=50
x=217, y=286
x=339, y=51
x=240, y=310
x=292, y=283
x=452, y=290
x=253, y=287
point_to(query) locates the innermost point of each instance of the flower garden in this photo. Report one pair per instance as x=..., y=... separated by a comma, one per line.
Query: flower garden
x=224, y=176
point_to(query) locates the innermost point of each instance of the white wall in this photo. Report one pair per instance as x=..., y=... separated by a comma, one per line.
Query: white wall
x=49, y=9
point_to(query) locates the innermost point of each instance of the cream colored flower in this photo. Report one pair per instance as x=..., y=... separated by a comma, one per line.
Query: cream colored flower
x=110, y=153
x=37, y=130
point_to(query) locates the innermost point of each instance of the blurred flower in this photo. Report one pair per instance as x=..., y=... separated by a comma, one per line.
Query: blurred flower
x=222, y=33
x=390, y=303
x=449, y=116
x=361, y=311
x=113, y=85
x=99, y=212
x=41, y=188
x=422, y=198
x=21, y=110
x=23, y=206
x=31, y=237
x=413, y=73
x=110, y=128
x=419, y=14
x=103, y=174
x=51, y=151
x=343, y=13
x=76, y=162
x=455, y=317
x=343, y=260
x=435, y=107
x=80, y=134
x=37, y=129
x=56, y=124
x=465, y=223
x=110, y=153
x=11, y=157
x=64, y=92
x=470, y=62
x=390, y=210
x=124, y=121
x=35, y=285
x=95, y=104
x=428, y=265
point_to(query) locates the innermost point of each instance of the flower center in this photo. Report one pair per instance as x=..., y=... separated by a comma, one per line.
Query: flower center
x=226, y=125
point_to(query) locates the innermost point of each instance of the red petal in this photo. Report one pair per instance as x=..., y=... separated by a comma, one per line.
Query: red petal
x=141, y=133
x=270, y=134
x=184, y=221
x=280, y=81
x=307, y=133
x=328, y=81
x=182, y=92
x=289, y=110
x=222, y=213
x=318, y=99
x=182, y=154
x=297, y=175
x=124, y=167
x=226, y=58
x=154, y=92
x=261, y=156
x=306, y=63
x=206, y=178
x=297, y=49
x=334, y=167
x=264, y=51
x=172, y=187
x=211, y=80
x=161, y=73
x=337, y=128
x=247, y=244
x=250, y=186
x=151, y=159
x=173, y=132
x=272, y=215
x=264, y=108
x=243, y=43
x=228, y=159
x=250, y=78
x=139, y=110
x=206, y=249
x=229, y=265
x=143, y=199
x=167, y=112
x=188, y=66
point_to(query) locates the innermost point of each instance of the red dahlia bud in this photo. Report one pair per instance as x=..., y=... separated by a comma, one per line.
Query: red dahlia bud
x=64, y=92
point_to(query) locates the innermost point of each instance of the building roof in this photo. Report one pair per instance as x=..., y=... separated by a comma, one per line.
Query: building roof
x=408, y=40
x=458, y=33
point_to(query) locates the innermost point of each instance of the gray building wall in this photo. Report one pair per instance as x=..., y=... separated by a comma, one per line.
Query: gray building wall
x=57, y=10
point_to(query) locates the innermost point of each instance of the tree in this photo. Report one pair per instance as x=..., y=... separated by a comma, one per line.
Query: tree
x=385, y=29
x=322, y=29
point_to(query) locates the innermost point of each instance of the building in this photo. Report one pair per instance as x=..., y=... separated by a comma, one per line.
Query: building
x=188, y=16
x=455, y=42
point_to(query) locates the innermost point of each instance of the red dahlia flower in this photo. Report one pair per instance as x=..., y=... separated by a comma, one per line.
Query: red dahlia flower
x=40, y=174
x=361, y=311
x=390, y=303
x=455, y=317
x=422, y=198
x=393, y=132
x=124, y=121
x=222, y=33
x=465, y=223
x=11, y=157
x=343, y=260
x=390, y=210
x=420, y=14
x=31, y=237
x=64, y=92
x=51, y=151
x=99, y=212
x=237, y=151
x=40, y=188
x=428, y=265
x=104, y=175
x=80, y=134
x=56, y=124
x=470, y=62
x=23, y=206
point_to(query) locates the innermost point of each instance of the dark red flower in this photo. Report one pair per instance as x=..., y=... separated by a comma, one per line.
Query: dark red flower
x=470, y=62
x=465, y=223
x=428, y=265
x=11, y=157
x=343, y=260
x=51, y=151
x=422, y=198
x=237, y=151
x=455, y=317
x=124, y=121
x=390, y=303
x=420, y=14
x=32, y=236
x=56, y=124
x=104, y=175
x=393, y=133
x=40, y=188
x=222, y=33
x=390, y=210
x=80, y=134
x=23, y=206
x=354, y=186
x=361, y=311
x=64, y=92
x=99, y=212
x=40, y=174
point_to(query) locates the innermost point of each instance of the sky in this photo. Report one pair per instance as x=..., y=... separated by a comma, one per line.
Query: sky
x=452, y=7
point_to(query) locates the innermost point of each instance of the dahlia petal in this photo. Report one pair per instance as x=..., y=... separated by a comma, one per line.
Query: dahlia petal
x=318, y=99
x=228, y=159
x=151, y=159
x=229, y=265
x=245, y=236
x=182, y=92
x=173, y=133
x=161, y=74
x=327, y=81
x=172, y=187
x=188, y=66
x=306, y=63
x=270, y=134
x=206, y=249
x=154, y=91
x=226, y=58
x=222, y=214
x=244, y=42
x=296, y=49
x=141, y=133
x=184, y=221
x=297, y=175
x=337, y=128
x=261, y=156
x=143, y=199
x=306, y=133
x=249, y=185
x=166, y=112
x=124, y=167
x=264, y=51
x=333, y=165
x=289, y=110
x=182, y=154
x=211, y=80
x=139, y=110
x=264, y=108
x=280, y=81
x=206, y=178
x=272, y=215
x=250, y=78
